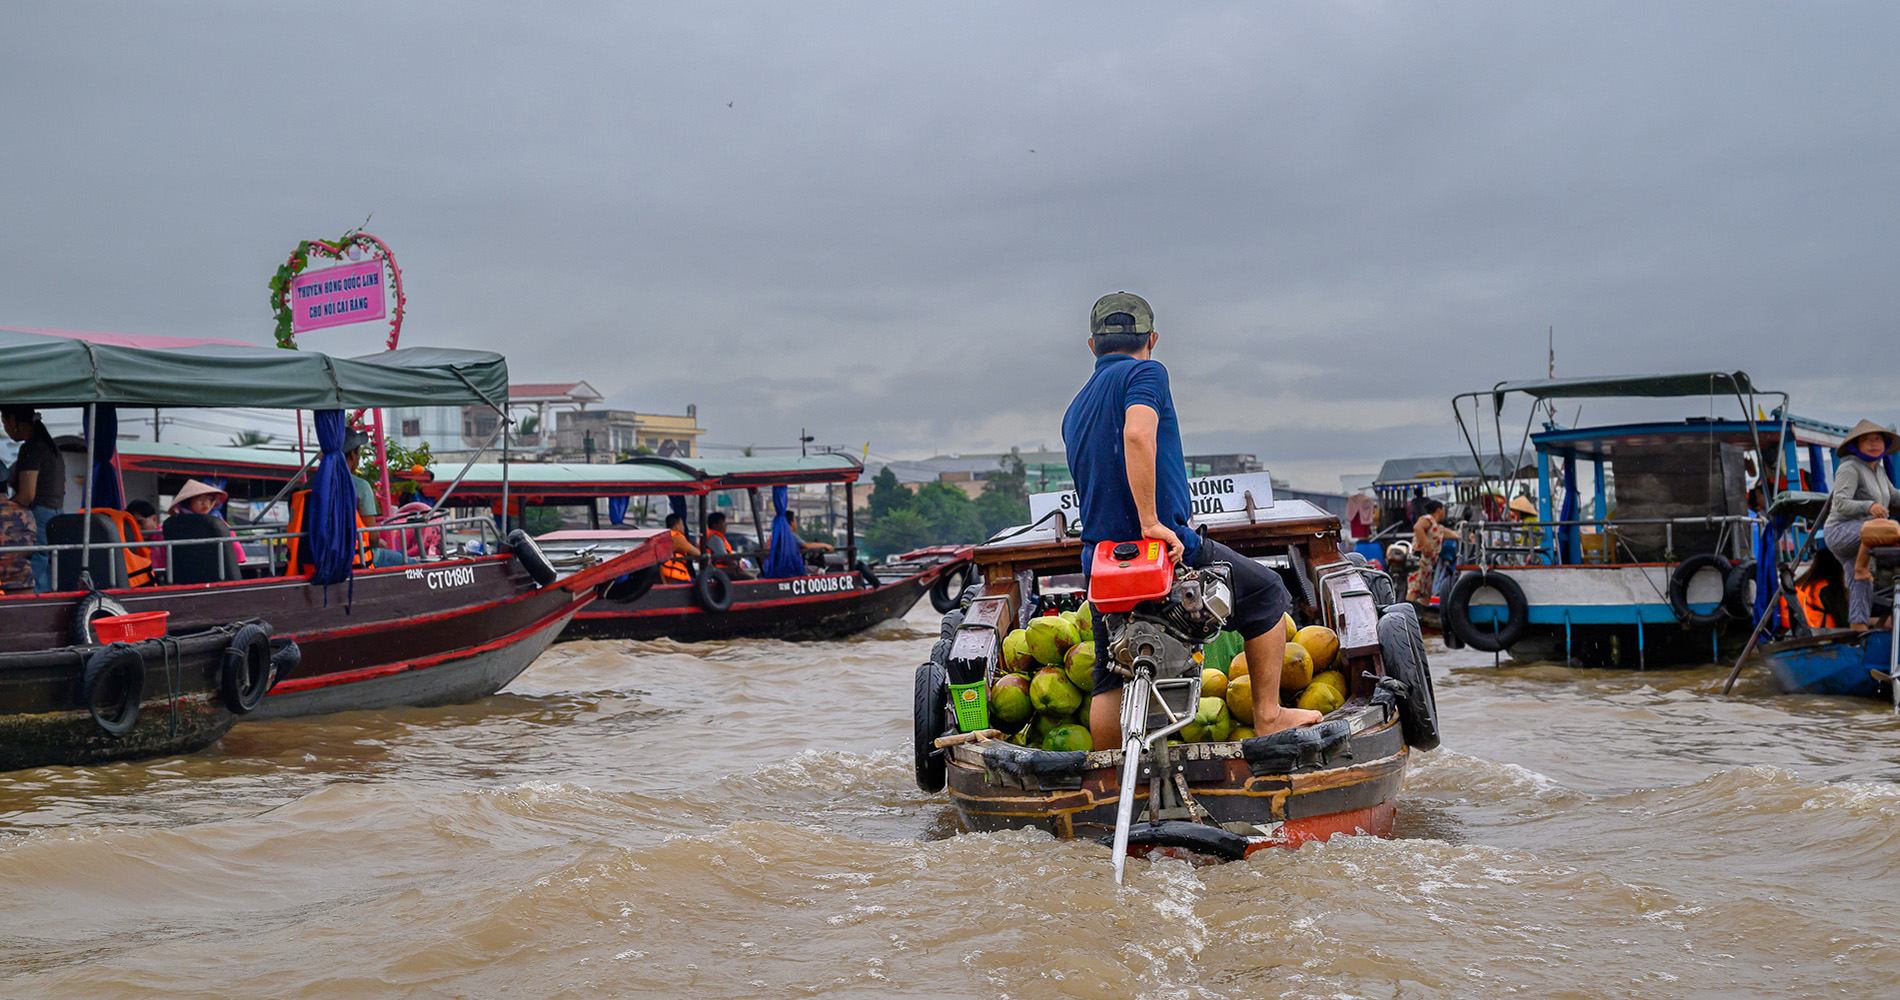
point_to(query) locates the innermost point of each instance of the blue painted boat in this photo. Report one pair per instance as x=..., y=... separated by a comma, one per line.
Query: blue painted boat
x=1834, y=662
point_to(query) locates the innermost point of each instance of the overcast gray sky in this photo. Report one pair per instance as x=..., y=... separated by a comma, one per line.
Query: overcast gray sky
x=886, y=222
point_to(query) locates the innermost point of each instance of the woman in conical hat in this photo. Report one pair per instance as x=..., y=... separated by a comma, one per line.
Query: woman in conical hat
x=1860, y=512
x=197, y=498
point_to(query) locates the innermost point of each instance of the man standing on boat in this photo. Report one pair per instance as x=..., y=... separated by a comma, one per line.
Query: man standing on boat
x=1124, y=447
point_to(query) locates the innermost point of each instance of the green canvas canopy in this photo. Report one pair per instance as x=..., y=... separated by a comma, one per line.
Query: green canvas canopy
x=554, y=479
x=1599, y=387
x=738, y=473
x=61, y=368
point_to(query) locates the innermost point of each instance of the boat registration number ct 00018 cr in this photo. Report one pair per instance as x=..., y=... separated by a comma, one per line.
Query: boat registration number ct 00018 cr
x=805, y=585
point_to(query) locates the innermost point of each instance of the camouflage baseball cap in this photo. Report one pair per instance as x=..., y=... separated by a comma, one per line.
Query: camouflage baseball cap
x=1121, y=313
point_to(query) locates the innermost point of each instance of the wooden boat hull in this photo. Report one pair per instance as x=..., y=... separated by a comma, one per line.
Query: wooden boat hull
x=1270, y=799
x=45, y=722
x=424, y=634
x=830, y=606
x=1834, y=663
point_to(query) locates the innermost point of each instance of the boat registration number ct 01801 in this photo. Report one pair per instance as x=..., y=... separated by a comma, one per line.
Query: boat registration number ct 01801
x=442, y=579
x=805, y=585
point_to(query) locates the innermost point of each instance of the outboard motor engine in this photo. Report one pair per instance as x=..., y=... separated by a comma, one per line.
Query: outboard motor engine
x=1157, y=614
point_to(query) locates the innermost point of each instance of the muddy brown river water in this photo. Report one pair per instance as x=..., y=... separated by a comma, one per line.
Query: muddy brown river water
x=738, y=820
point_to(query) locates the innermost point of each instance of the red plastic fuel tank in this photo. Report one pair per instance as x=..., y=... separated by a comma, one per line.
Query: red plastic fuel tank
x=1123, y=574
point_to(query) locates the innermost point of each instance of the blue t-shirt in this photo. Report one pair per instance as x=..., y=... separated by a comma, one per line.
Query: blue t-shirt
x=1092, y=432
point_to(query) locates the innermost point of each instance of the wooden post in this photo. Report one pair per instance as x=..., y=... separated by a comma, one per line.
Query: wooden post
x=752, y=493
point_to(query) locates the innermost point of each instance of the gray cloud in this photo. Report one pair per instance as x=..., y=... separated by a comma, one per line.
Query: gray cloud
x=1343, y=213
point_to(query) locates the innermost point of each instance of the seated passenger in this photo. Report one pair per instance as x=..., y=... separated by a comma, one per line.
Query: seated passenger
x=146, y=515
x=791, y=520
x=719, y=547
x=677, y=569
x=203, y=498
x=17, y=528
x=1860, y=513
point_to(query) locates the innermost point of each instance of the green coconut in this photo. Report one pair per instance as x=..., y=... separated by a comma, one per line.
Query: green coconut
x=1079, y=665
x=1085, y=621
x=1052, y=694
x=1016, y=658
x=1009, y=702
x=1064, y=739
x=1050, y=638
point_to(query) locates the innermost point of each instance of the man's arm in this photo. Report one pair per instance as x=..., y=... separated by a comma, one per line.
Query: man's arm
x=682, y=547
x=1139, y=425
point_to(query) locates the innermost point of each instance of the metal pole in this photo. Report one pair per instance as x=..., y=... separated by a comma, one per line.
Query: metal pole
x=504, y=472
x=850, y=526
x=757, y=526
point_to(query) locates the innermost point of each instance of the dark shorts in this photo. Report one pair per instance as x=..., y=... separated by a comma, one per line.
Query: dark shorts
x=1260, y=599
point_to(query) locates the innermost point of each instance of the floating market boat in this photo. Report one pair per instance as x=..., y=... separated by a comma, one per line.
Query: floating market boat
x=1658, y=562
x=1203, y=799
x=458, y=624
x=825, y=595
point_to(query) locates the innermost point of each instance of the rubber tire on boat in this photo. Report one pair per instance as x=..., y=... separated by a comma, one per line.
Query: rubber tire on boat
x=931, y=705
x=632, y=587
x=940, y=596
x=93, y=605
x=712, y=590
x=1197, y=837
x=1679, y=588
x=864, y=573
x=1738, y=598
x=1517, y=611
x=532, y=559
x=245, y=675
x=121, y=660
x=1402, y=646
x=284, y=657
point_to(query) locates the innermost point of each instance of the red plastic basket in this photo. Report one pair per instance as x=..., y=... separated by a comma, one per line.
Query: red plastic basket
x=130, y=628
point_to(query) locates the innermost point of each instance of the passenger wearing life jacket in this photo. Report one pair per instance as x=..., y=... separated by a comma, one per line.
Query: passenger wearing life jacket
x=719, y=548
x=677, y=569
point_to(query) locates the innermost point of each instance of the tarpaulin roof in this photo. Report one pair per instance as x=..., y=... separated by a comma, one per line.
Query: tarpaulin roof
x=558, y=479
x=63, y=368
x=1598, y=387
x=1433, y=468
x=732, y=473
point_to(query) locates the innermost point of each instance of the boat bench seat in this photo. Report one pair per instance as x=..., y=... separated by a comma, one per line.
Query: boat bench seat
x=1885, y=555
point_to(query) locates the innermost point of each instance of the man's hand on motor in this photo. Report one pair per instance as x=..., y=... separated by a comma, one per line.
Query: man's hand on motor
x=1162, y=533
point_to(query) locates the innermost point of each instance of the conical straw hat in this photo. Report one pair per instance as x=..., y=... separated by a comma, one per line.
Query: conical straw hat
x=1864, y=428
x=194, y=488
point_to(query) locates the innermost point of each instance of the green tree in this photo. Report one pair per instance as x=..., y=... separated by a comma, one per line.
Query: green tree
x=949, y=513
x=251, y=439
x=898, y=531
x=887, y=494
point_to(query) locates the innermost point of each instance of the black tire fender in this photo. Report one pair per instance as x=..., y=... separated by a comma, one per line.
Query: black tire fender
x=532, y=558
x=631, y=587
x=285, y=656
x=1402, y=647
x=1517, y=613
x=1738, y=592
x=864, y=573
x=1686, y=571
x=1181, y=835
x=941, y=596
x=93, y=605
x=120, y=662
x=712, y=590
x=930, y=711
x=245, y=675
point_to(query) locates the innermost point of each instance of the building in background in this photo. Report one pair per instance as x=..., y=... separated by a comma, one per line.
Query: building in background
x=597, y=435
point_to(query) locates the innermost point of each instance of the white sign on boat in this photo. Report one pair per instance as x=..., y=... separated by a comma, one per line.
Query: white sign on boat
x=1216, y=499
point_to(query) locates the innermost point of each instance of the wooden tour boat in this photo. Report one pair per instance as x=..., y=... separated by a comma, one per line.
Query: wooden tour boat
x=456, y=625
x=1340, y=776
x=837, y=594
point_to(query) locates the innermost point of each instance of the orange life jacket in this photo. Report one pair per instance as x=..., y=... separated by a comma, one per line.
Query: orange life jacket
x=138, y=562
x=296, y=567
x=1811, y=605
x=676, y=570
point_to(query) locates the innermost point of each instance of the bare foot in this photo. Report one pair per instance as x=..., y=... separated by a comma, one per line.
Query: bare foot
x=1286, y=718
x=1857, y=626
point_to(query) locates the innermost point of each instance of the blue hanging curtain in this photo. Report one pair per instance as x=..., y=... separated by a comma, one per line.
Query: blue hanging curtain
x=330, y=513
x=1567, y=540
x=783, y=559
x=1767, y=548
x=617, y=509
x=104, y=476
x=1817, y=460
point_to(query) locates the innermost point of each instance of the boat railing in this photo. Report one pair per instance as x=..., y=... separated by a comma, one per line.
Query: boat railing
x=276, y=542
x=1523, y=543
